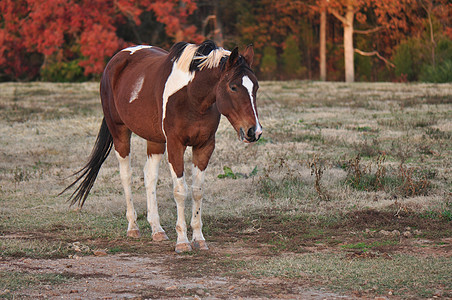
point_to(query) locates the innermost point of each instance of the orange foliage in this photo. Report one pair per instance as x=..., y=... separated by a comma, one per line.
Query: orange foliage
x=86, y=28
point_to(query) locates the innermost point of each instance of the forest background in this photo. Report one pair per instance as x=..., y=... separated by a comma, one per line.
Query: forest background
x=336, y=40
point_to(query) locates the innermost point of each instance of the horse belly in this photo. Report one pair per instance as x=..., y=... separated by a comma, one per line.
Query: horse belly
x=143, y=118
x=137, y=98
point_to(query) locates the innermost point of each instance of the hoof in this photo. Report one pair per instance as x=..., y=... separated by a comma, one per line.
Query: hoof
x=199, y=245
x=183, y=247
x=159, y=236
x=134, y=233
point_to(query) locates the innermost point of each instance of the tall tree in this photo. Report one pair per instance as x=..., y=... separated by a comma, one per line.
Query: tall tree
x=387, y=14
x=322, y=47
x=86, y=30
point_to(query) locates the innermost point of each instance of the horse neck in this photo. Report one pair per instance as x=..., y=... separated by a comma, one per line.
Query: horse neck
x=202, y=89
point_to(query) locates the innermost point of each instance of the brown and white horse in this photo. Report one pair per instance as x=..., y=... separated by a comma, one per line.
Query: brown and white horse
x=173, y=100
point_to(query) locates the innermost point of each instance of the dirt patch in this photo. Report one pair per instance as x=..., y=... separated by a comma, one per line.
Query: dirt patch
x=156, y=276
x=274, y=234
x=142, y=269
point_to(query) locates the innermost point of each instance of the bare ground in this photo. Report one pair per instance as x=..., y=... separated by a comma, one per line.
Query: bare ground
x=164, y=274
x=160, y=275
x=153, y=270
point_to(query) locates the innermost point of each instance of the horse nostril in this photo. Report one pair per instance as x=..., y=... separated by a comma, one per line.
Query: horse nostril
x=251, y=132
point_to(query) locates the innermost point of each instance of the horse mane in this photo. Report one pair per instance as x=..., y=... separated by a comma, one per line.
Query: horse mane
x=191, y=57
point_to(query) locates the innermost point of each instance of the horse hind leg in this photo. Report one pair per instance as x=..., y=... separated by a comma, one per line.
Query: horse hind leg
x=151, y=168
x=122, y=151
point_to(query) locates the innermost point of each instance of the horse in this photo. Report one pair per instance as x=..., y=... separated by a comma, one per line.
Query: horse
x=173, y=99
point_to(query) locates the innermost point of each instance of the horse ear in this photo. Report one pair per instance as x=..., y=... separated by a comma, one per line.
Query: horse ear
x=249, y=54
x=233, y=57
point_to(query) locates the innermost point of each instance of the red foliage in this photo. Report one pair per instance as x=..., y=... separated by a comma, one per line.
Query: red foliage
x=62, y=29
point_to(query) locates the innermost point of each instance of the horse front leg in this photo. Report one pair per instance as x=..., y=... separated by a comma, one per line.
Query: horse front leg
x=151, y=170
x=201, y=158
x=180, y=191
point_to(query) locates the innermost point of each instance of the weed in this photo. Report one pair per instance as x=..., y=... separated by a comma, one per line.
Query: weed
x=368, y=149
x=436, y=134
x=410, y=185
x=354, y=172
x=317, y=168
x=20, y=175
x=403, y=179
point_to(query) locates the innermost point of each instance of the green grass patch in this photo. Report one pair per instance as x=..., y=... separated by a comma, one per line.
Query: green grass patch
x=228, y=173
x=405, y=275
x=366, y=246
x=11, y=281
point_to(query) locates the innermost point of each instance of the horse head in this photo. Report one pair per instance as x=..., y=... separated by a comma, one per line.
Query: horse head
x=236, y=95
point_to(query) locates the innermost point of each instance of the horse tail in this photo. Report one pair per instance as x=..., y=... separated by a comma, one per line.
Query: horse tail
x=88, y=174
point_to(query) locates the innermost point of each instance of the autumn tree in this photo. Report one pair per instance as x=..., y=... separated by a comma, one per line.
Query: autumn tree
x=83, y=30
x=267, y=23
x=387, y=16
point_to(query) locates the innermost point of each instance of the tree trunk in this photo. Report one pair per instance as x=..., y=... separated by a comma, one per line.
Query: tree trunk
x=323, y=44
x=348, y=45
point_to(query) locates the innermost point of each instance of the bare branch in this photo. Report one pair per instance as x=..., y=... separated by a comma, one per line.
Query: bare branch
x=376, y=54
x=368, y=31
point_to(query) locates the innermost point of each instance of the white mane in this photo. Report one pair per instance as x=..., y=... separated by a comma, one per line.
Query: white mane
x=212, y=60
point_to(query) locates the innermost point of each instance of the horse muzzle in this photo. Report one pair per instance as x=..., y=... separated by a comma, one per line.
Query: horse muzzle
x=253, y=134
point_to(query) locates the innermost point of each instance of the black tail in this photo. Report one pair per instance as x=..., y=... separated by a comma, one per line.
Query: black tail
x=102, y=148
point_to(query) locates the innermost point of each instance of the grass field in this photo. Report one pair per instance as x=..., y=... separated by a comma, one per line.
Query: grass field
x=348, y=192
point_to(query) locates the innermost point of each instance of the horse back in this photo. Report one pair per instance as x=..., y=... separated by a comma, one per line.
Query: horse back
x=131, y=91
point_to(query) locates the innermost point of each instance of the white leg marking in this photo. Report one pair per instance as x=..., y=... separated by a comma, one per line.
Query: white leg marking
x=248, y=84
x=176, y=80
x=180, y=194
x=196, y=223
x=136, y=48
x=125, y=171
x=136, y=89
x=151, y=173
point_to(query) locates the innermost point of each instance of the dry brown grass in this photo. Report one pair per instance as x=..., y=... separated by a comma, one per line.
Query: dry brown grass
x=47, y=132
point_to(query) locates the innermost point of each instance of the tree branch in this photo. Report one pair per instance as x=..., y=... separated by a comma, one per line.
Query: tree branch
x=337, y=15
x=368, y=31
x=376, y=54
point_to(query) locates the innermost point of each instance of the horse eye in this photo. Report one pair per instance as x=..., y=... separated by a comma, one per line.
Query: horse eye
x=233, y=88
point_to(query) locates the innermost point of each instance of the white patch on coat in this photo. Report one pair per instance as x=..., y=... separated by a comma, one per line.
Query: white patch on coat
x=248, y=84
x=176, y=81
x=136, y=89
x=136, y=48
x=181, y=76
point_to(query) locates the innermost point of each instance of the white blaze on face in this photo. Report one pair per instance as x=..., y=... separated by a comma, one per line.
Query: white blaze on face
x=248, y=84
x=136, y=48
x=136, y=89
x=176, y=81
